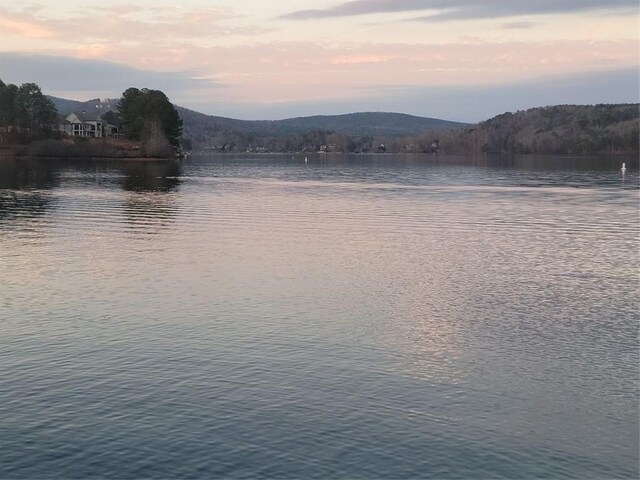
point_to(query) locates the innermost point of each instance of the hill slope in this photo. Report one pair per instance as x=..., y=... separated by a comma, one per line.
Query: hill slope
x=204, y=130
x=207, y=129
x=561, y=129
x=65, y=106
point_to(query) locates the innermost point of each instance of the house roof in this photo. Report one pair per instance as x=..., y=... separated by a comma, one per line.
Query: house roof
x=87, y=116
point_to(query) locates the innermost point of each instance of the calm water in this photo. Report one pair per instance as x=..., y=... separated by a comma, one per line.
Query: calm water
x=359, y=317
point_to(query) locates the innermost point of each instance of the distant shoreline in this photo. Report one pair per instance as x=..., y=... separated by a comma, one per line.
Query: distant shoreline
x=18, y=154
x=416, y=154
x=95, y=159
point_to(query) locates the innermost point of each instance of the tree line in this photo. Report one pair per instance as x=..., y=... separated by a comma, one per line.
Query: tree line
x=25, y=112
x=147, y=116
x=562, y=129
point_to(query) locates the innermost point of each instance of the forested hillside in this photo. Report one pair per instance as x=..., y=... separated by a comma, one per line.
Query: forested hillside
x=296, y=134
x=562, y=129
x=353, y=130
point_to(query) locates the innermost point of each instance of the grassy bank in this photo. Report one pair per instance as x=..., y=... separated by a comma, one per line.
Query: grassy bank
x=81, y=148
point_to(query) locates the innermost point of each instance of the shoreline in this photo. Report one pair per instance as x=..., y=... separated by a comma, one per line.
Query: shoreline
x=87, y=149
x=97, y=158
x=91, y=158
x=417, y=154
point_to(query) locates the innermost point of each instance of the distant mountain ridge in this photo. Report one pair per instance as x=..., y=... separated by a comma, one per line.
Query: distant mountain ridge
x=559, y=129
x=202, y=129
x=65, y=106
x=361, y=123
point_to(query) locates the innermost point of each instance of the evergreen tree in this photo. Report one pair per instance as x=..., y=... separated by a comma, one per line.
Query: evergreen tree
x=7, y=104
x=145, y=111
x=35, y=113
x=25, y=109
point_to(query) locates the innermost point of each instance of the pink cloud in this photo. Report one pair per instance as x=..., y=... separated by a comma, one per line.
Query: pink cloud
x=128, y=24
x=297, y=71
x=15, y=25
x=359, y=59
x=177, y=38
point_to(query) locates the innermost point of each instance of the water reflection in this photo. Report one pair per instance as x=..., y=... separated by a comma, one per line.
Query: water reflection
x=23, y=204
x=510, y=162
x=404, y=172
x=18, y=173
x=151, y=176
x=23, y=187
x=29, y=187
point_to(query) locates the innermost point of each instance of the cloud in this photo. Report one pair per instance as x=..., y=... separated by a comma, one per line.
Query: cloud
x=361, y=7
x=24, y=27
x=518, y=25
x=294, y=71
x=88, y=77
x=465, y=103
x=461, y=9
x=158, y=25
x=471, y=101
x=361, y=59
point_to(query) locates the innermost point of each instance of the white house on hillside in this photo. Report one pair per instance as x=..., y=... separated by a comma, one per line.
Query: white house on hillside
x=87, y=124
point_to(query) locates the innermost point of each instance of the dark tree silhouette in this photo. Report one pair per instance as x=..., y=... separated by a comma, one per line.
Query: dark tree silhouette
x=26, y=110
x=148, y=115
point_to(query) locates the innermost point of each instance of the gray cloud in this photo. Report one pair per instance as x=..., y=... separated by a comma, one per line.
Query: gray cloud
x=475, y=103
x=83, y=78
x=462, y=9
x=363, y=7
x=518, y=25
x=66, y=74
x=461, y=103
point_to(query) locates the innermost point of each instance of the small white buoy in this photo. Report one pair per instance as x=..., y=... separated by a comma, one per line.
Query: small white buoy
x=624, y=168
x=306, y=160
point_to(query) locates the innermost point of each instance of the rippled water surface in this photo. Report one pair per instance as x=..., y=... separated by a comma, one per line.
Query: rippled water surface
x=358, y=317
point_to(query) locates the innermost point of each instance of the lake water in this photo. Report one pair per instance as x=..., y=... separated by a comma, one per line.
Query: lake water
x=354, y=317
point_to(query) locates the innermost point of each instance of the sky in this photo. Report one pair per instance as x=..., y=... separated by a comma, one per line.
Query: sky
x=463, y=60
